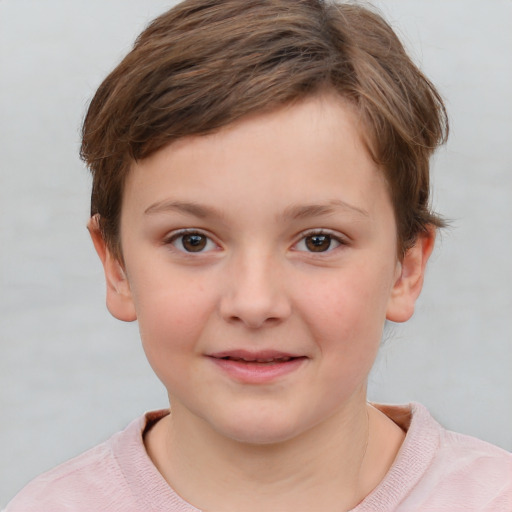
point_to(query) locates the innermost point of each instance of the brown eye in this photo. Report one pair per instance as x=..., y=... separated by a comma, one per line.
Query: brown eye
x=318, y=243
x=194, y=242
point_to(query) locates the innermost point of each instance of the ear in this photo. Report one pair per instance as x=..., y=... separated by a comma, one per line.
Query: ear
x=409, y=282
x=119, y=296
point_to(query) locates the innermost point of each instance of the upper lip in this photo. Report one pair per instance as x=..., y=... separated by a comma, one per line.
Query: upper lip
x=250, y=355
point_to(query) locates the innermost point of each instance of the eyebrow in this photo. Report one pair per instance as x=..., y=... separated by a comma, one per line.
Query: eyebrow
x=316, y=210
x=296, y=212
x=190, y=208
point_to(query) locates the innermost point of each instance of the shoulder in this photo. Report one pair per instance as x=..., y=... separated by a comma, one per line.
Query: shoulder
x=462, y=473
x=440, y=470
x=462, y=455
x=92, y=481
x=73, y=482
x=472, y=471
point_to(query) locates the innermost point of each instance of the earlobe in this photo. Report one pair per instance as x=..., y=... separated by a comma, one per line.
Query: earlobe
x=409, y=282
x=119, y=296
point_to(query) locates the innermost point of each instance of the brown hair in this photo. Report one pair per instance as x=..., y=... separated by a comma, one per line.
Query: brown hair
x=206, y=63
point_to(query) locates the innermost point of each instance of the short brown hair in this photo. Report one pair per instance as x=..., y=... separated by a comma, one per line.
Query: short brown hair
x=206, y=63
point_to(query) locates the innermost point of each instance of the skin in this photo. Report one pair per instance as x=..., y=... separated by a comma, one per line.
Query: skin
x=256, y=193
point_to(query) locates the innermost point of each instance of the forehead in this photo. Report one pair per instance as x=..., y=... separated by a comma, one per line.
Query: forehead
x=311, y=152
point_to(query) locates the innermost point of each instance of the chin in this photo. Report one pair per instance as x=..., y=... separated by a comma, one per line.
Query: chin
x=260, y=430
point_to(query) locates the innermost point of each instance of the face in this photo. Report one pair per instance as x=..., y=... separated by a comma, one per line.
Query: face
x=261, y=265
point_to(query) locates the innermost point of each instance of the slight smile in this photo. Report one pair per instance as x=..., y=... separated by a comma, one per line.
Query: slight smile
x=259, y=367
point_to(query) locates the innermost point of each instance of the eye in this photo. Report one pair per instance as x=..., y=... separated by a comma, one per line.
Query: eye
x=318, y=242
x=191, y=241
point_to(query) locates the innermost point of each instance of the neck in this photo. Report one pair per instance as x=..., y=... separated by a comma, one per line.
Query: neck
x=321, y=469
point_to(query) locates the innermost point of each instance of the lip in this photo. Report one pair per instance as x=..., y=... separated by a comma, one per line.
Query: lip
x=257, y=367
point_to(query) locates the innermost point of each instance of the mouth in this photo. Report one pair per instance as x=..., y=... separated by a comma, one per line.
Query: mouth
x=272, y=360
x=264, y=356
x=257, y=367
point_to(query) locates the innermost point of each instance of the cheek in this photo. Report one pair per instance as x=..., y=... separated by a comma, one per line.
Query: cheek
x=346, y=328
x=346, y=312
x=172, y=315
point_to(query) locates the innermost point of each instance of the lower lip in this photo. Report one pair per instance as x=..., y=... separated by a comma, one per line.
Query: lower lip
x=258, y=373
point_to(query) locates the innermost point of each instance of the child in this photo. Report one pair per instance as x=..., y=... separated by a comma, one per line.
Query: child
x=260, y=205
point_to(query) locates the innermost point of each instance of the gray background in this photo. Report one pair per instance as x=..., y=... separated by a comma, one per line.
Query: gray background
x=70, y=375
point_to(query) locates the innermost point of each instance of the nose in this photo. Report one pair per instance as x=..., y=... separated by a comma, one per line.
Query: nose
x=254, y=293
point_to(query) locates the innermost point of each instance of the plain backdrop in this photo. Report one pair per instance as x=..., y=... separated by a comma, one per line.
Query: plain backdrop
x=70, y=375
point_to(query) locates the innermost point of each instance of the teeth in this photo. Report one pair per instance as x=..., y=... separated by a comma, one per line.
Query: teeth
x=267, y=360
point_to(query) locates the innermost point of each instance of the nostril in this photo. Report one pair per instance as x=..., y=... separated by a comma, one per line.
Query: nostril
x=255, y=322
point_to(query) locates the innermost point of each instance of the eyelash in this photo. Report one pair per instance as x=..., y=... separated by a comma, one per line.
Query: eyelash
x=332, y=237
x=173, y=238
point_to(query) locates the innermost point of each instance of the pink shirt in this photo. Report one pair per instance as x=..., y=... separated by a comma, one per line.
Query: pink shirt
x=435, y=471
